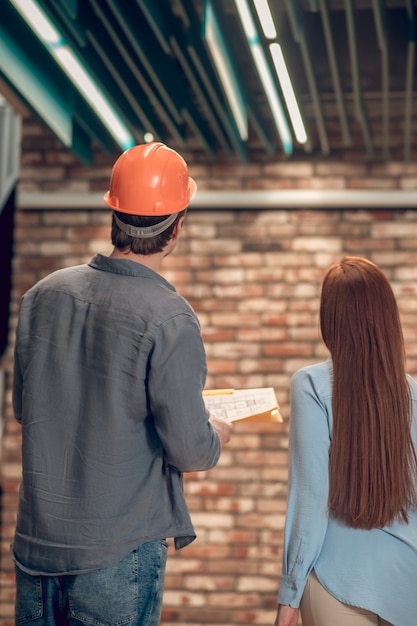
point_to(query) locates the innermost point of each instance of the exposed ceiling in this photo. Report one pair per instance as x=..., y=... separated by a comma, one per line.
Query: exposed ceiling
x=352, y=63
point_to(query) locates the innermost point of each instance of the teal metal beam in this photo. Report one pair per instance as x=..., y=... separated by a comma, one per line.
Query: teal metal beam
x=301, y=37
x=92, y=126
x=28, y=66
x=33, y=74
x=66, y=13
x=171, y=39
x=334, y=70
x=201, y=136
x=194, y=79
x=81, y=143
x=156, y=18
x=381, y=30
x=165, y=78
x=221, y=108
x=197, y=66
x=214, y=37
x=125, y=70
x=411, y=56
x=357, y=91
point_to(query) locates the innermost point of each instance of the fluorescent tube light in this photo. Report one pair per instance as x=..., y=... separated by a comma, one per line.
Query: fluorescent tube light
x=38, y=21
x=265, y=18
x=50, y=36
x=221, y=59
x=265, y=74
x=273, y=98
x=288, y=91
x=247, y=20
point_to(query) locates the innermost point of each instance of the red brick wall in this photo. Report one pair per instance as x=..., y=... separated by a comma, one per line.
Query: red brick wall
x=253, y=277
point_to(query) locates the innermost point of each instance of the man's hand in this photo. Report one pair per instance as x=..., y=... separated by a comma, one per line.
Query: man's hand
x=286, y=616
x=223, y=428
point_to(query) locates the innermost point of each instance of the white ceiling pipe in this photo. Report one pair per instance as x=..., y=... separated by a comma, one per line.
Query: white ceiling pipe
x=268, y=199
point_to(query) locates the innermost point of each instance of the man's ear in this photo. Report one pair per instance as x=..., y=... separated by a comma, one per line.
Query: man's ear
x=177, y=229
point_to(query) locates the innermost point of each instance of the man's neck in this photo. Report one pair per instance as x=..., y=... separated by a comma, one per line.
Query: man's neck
x=153, y=261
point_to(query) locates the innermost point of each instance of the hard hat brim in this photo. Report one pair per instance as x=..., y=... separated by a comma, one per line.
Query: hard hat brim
x=192, y=186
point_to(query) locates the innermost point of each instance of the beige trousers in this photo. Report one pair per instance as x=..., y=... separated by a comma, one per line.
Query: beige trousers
x=319, y=608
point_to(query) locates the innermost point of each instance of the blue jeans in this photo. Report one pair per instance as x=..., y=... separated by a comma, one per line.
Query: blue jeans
x=129, y=592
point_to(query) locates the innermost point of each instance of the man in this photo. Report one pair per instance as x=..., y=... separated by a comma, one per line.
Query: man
x=109, y=372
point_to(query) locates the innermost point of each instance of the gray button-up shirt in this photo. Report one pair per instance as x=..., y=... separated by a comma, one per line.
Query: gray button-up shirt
x=109, y=372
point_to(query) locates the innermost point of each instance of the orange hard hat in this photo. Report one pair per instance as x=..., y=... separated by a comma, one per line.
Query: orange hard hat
x=150, y=179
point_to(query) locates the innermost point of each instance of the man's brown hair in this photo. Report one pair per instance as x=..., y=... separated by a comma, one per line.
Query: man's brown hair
x=137, y=245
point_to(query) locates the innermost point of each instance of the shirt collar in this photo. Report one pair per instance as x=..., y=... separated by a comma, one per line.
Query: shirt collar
x=126, y=267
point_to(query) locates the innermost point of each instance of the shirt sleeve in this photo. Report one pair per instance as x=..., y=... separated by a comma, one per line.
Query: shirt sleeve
x=17, y=388
x=307, y=505
x=177, y=377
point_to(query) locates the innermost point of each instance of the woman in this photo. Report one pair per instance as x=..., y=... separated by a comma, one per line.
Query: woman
x=350, y=554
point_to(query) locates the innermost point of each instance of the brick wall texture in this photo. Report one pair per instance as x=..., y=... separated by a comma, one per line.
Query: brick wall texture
x=253, y=277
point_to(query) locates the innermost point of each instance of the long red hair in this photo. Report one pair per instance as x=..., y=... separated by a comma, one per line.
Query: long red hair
x=373, y=464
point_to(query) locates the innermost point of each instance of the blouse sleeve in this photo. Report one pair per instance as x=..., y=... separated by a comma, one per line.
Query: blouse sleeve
x=307, y=504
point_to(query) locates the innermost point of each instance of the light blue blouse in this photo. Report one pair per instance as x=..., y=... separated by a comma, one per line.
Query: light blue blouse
x=373, y=569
